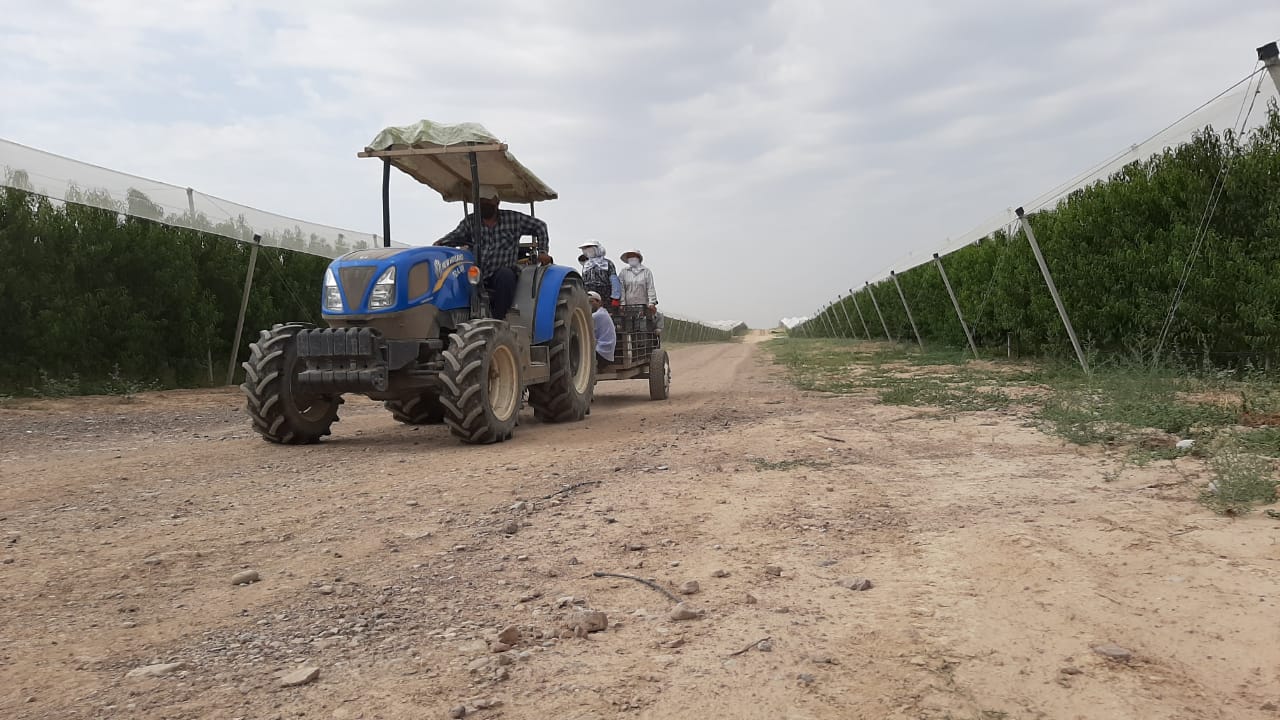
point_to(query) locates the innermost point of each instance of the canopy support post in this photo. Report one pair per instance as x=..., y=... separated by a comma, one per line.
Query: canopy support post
x=386, y=203
x=475, y=200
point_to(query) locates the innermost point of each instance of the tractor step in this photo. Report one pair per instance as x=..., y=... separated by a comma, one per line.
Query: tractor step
x=538, y=372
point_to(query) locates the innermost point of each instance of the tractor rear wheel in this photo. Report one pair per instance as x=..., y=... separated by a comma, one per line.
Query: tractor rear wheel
x=282, y=412
x=481, y=384
x=571, y=354
x=659, y=375
x=421, y=409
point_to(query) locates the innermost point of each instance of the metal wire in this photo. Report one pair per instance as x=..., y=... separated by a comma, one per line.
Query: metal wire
x=1202, y=231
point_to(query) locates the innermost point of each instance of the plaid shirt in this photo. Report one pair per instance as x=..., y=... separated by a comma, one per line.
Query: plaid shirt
x=499, y=245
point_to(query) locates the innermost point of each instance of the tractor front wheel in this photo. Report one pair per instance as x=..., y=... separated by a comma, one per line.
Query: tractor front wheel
x=281, y=411
x=481, y=384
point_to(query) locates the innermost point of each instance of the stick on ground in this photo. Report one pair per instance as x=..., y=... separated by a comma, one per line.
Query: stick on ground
x=642, y=581
x=569, y=488
x=753, y=644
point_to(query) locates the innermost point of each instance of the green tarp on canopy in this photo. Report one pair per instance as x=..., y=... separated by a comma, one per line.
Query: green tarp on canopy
x=450, y=173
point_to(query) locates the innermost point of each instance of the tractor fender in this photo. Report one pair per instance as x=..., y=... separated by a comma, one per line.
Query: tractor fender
x=544, y=320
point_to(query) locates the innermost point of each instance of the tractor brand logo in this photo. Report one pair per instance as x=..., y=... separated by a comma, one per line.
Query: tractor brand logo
x=446, y=268
x=442, y=267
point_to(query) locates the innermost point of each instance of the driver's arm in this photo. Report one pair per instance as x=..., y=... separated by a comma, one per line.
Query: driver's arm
x=460, y=235
x=536, y=228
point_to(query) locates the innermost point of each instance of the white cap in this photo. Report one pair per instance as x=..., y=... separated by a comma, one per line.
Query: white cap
x=488, y=192
x=594, y=295
x=589, y=243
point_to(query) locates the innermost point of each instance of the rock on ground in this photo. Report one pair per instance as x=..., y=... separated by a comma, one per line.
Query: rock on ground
x=245, y=578
x=301, y=676
x=158, y=670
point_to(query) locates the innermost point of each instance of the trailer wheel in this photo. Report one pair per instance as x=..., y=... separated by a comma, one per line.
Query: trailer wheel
x=659, y=375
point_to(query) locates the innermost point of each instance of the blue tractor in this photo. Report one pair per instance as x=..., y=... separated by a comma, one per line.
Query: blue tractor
x=411, y=326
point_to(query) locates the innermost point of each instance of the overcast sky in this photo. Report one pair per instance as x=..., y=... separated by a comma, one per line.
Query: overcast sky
x=762, y=155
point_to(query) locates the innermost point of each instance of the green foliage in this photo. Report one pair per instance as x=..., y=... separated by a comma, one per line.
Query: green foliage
x=960, y=397
x=1125, y=404
x=686, y=331
x=97, y=302
x=1240, y=481
x=1118, y=403
x=762, y=464
x=1117, y=250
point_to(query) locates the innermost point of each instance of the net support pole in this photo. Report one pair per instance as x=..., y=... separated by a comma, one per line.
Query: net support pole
x=826, y=321
x=835, y=321
x=386, y=203
x=845, y=312
x=1269, y=55
x=854, y=297
x=883, y=324
x=1053, y=289
x=955, y=304
x=191, y=204
x=907, y=307
x=244, y=306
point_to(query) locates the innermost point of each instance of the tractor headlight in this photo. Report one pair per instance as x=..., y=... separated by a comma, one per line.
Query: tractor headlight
x=332, y=296
x=384, y=290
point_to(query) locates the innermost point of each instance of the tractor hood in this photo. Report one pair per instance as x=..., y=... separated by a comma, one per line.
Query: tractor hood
x=402, y=278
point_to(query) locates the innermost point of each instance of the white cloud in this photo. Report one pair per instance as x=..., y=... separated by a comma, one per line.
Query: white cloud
x=765, y=155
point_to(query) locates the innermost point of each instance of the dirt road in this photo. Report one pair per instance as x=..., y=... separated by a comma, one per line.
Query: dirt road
x=391, y=557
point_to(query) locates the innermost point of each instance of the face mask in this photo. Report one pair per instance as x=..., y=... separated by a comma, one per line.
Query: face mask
x=633, y=262
x=589, y=252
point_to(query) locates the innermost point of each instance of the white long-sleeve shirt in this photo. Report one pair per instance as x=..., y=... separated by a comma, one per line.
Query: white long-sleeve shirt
x=637, y=286
x=606, y=335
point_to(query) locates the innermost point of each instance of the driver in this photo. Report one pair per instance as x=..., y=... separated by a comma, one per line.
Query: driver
x=499, y=246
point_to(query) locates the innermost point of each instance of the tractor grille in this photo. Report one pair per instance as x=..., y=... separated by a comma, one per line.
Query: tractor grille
x=355, y=280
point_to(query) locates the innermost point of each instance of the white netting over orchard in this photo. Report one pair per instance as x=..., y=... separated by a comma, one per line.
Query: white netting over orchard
x=1241, y=108
x=66, y=180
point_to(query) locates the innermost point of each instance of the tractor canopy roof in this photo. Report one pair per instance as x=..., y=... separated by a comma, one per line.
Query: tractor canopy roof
x=436, y=155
